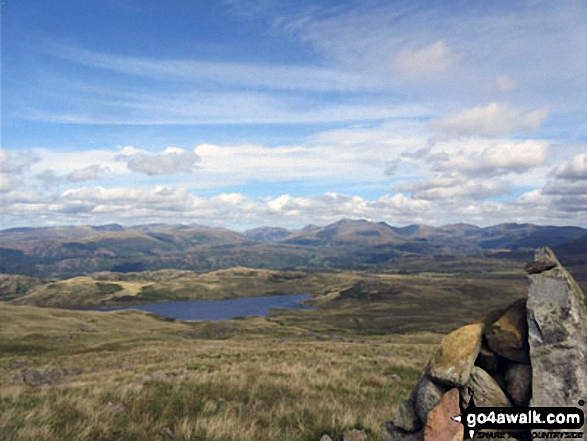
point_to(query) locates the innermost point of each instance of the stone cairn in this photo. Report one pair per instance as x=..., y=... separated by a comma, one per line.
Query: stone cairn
x=532, y=353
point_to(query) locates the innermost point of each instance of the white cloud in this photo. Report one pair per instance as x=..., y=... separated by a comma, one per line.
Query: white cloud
x=160, y=197
x=90, y=173
x=7, y=164
x=50, y=178
x=172, y=161
x=16, y=162
x=67, y=162
x=491, y=158
x=7, y=183
x=495, y=119
x=424, y=61
x=572, y=169
x=99, y=204
x=566, y=188
x=12, y=166
x=567, y=195
x=441, y=187
x=262, y=163
x=442, y=203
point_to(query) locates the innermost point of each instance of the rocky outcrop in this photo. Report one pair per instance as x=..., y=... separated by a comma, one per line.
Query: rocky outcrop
x=557, y=322
x=532, y=353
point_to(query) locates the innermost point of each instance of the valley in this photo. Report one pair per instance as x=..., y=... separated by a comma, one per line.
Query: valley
x=295, y=374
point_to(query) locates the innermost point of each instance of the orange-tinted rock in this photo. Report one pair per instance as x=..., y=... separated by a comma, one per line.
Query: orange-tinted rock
x=439, y=426
x=508, y=335
x=454, y=359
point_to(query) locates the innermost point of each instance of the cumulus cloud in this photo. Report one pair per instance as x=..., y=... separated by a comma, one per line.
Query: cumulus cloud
x=498, y=158
x=7, y=183
x=438, y=201
x=557, y=187
x=572, y=169
x=166, y=204
x=495, y=119
x=50, y=178
x=424, y=61
x=115, y=199
x=172, y=161
x=12, y=167
x=7, y=164
x=330, y=207
x=454, y=186
x=91, y=173
x=567, y=186
x=15, y=163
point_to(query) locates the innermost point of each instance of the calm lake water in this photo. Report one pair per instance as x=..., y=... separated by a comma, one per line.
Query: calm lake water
x=221, y=309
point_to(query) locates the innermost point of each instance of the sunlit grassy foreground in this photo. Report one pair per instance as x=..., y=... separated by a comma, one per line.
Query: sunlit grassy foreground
x=148, y=379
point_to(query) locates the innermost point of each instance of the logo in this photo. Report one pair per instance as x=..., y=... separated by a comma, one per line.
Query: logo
x=517, y=419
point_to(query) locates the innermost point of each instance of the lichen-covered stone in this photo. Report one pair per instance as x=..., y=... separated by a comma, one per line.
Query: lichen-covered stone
x=557, y=323
x=508, y=335
x=454, y=359
x=439, y=426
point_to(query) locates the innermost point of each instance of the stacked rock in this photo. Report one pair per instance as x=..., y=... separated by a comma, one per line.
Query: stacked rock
x=533, y=352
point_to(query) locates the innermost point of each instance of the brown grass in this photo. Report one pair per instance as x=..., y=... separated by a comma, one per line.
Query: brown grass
x=144, y=378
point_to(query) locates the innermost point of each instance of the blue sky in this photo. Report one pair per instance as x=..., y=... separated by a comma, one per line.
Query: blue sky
x=257, y=112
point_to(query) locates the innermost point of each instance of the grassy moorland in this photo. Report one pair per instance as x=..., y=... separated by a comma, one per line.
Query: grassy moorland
x=119, y=289
x=295, y=375
x=127, y=375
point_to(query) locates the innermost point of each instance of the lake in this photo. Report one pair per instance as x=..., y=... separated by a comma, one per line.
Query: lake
x=221, y=309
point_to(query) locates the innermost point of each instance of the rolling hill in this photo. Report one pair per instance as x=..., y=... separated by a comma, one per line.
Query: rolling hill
x=346, y=244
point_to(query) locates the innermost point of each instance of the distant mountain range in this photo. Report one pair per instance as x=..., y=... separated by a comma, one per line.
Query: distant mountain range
x=346, y=244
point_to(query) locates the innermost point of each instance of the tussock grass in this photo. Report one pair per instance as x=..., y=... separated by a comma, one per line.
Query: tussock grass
x=292, y=376
x=144, y=379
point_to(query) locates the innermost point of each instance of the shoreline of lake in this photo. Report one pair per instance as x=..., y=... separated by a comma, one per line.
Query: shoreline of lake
x=217, y=310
